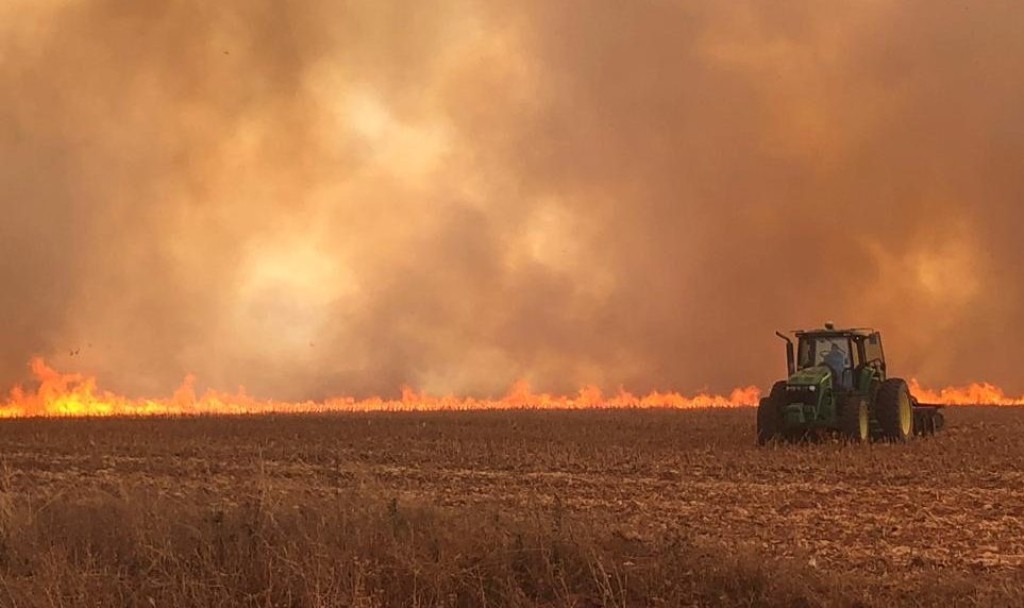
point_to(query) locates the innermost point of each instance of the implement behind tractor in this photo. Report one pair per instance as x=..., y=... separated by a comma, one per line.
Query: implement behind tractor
x=838, y=383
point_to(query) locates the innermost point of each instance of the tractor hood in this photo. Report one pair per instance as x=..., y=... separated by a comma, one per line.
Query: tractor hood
x=811, y=376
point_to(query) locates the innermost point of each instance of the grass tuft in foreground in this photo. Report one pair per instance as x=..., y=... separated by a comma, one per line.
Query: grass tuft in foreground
x=95, y=548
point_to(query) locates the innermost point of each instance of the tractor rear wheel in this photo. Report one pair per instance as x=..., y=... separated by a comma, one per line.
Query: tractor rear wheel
x=769, y=415
x=894, y=410
x=855, y=420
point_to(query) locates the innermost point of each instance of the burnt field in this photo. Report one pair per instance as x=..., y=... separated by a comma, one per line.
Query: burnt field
x=602, y=508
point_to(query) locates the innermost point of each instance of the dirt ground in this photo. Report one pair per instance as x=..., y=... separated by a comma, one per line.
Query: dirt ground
x=949, y=508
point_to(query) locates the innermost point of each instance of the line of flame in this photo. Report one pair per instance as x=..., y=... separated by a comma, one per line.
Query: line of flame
x=978, y=393
x=70, y=395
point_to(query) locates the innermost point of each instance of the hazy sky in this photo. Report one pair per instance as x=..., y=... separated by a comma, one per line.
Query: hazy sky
x=312, y=198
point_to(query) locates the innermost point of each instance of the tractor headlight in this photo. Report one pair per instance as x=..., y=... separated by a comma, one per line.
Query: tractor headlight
x=811, y=388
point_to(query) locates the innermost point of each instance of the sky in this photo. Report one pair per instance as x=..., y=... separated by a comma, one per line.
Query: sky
x=318, y=198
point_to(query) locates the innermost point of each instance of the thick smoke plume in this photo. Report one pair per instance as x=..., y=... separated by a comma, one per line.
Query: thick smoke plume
x=311, y=198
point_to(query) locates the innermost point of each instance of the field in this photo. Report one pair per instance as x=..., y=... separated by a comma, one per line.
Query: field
x=524, y=508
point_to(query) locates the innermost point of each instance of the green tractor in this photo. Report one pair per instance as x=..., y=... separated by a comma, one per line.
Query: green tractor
x=838, y=383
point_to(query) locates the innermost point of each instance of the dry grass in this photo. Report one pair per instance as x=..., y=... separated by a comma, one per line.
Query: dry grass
x=620, y=508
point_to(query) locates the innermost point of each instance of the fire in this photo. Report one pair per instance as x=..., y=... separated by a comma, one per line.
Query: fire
x=69, y=395
x=978, y=393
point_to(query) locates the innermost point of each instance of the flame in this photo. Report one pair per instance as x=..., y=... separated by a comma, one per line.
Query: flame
x=70, y=395
x=73, y=395
x=978, y=393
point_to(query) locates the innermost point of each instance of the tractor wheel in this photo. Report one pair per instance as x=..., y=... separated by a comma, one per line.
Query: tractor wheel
x=855, y=420
x=769, y=415
x=927, y=421
x=894, y=410
x=923, y=423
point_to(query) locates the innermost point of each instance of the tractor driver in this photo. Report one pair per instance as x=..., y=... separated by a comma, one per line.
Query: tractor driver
x=836, y=360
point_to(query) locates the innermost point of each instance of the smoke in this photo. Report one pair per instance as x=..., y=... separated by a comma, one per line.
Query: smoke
x=314, y=198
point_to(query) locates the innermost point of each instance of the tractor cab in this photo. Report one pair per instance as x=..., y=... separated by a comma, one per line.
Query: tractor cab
x=836, y=352
x=852, y=357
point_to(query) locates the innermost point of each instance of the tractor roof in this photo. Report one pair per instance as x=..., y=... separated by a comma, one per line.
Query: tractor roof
x=854, y=332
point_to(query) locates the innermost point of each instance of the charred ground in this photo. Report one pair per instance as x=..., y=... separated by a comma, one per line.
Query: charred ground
x=607, y=508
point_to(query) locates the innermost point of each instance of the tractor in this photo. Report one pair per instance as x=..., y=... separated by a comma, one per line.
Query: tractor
x=838, y=383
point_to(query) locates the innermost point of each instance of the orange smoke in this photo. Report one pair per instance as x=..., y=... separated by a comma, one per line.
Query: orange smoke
x=61, y=394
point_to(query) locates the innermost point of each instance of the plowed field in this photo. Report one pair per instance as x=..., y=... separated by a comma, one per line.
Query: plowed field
x=936, y=518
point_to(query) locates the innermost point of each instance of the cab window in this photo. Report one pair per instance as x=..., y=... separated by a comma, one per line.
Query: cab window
x=873, y=348
x=834, y=351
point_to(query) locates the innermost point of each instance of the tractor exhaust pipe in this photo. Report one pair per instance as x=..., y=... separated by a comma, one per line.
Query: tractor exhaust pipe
x=790, y=357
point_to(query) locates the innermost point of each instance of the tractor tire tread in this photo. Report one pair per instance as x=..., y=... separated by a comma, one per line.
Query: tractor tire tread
x=887, y=409
x=769, y=415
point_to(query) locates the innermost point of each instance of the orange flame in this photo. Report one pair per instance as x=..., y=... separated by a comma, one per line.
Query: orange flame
x=978, y=393
x=70, y=395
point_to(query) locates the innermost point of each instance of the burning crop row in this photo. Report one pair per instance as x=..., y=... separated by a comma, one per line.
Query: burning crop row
x=70, y=395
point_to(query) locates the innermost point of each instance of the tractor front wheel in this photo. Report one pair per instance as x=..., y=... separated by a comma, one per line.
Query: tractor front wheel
x=894, y=410
x=769, y=415
x=855, y=420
